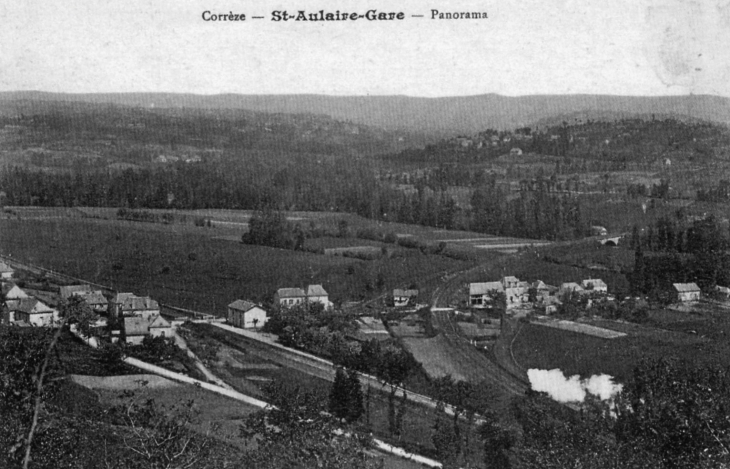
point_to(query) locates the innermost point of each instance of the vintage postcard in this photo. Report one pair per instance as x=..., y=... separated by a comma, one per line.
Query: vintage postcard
x=365, y=234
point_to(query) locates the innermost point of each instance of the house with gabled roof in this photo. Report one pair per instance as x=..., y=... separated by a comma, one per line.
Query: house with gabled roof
x=11, y=291
x=595, y=285
x=160, y=327
x=480, y=294
x=135, y=329
x=128, y=304
x=66, y=291
x=687, y=291
x=569, y=287
x=6, y=272
x=95, y=299
x=32, y=311
x=246, y=314
x=288, y=297
x=404, y=297
x=317, y=294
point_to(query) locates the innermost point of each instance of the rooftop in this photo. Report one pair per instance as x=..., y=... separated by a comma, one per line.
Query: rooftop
x=484, y=288
x=242, y=305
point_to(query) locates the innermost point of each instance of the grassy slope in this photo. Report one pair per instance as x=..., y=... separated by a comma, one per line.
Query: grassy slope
x=202, y=273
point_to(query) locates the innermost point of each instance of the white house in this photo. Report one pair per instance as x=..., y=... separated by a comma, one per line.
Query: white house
x=317, y=294
x=480, y=293
x=288, y=297
x=31, y=311
x=67, y=291
x=13, y=292
x=687, y=291
x=160, y=327
x=403, y=297
x=246, y=314
x=128, y=304
x=6, y=272
x=594, y=284
x=569, y=287
x=515, y=151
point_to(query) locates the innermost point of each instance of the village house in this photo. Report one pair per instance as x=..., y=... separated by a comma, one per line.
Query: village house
x=95, y=299
x=723, y=291
x=11, y=291
x=134, y=330
x=595, y=285
x=569, y=287
x=687, y=291
x=597, y=230
x=480, y=294
x=515, y=151
x=31, y=311
x=515, y=291
x=543, y=290
x=317, y=294
x=288, y=297
x=160, y=327
x=128, y=304
x=404, y=297
x=67, y=291
x=245, y=314
x=6, y=272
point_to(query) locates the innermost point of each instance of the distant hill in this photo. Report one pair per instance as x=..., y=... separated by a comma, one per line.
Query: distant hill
x=465, y=114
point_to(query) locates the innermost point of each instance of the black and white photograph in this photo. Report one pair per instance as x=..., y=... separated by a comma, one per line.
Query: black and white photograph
x=294, y=234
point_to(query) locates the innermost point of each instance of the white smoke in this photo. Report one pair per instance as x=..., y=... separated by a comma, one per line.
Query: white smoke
x=572, y=389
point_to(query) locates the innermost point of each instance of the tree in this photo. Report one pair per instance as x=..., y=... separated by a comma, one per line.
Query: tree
x=296, y=433
x=162, y=438
x=346, y=397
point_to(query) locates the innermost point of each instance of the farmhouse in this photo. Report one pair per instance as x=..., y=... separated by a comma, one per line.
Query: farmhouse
x=67, y=291
x=569, y=287
x=95, y=299
x=246, y=314
x=287, y=297
x=594, y=284
x=723, y=291
x=404, y=297
x=598, y=230
x=480, y=293
x=687, y=291
x=160, y=327
x=31, y=311
x=128, y=304
x=317, y=294
x=135, y=329
x=6, y=272
x=13, y=292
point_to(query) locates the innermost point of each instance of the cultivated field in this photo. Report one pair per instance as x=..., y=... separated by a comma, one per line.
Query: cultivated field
x=697, y=337
x=184, y=266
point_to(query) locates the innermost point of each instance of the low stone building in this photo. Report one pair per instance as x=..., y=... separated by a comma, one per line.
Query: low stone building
x=245, y=314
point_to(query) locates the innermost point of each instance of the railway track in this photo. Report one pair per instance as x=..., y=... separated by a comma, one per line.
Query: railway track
x=480, y=367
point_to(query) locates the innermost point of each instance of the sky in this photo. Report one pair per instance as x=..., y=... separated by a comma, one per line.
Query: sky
x=621, y=47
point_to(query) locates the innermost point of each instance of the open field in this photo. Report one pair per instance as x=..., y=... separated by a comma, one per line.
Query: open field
x=697, y=338
x=183, y=266
x=579, y=328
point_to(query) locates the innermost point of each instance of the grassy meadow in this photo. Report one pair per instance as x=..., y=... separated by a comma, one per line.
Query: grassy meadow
x=184, y=266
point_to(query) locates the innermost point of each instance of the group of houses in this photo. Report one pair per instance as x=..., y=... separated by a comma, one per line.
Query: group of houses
x=248, y=315
x=135, y=317
x=518, y=293
x=289, y=297
x=19, y=308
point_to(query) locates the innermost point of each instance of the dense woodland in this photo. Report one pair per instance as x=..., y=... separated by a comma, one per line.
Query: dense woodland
x=675, y=250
